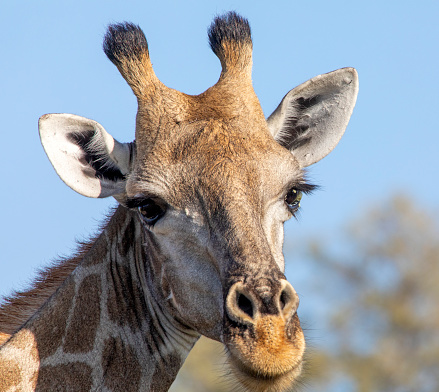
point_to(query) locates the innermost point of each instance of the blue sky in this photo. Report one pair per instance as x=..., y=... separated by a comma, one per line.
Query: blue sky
x=51, y=61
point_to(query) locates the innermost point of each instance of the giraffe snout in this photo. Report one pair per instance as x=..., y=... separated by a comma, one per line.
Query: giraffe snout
x=247, y=303
x=264, y=339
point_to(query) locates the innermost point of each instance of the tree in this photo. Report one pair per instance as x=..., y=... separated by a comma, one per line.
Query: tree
x=384, y=291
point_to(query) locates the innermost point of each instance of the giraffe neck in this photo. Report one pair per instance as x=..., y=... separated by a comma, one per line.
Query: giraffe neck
x=103, y=329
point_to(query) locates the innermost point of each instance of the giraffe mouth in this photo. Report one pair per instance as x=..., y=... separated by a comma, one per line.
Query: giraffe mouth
x=252, y=380
x=267, y=356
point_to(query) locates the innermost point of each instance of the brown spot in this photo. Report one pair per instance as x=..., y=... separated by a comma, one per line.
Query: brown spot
x=125, y=243
x=125, y=299
x=121, y=366
x=81, y=332
x=72, y=377
x=113, y=229
x=50, y=337
x=99, y=255
x=166, y=371
x=10, y=374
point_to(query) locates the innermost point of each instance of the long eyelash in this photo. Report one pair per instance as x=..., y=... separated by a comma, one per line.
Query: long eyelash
x=136, y=202
x=306, y=188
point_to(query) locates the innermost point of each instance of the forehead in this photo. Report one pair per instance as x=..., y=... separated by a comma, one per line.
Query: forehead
x=212, y=156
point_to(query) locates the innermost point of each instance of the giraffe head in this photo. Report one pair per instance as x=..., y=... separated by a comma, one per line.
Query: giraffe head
x=212, y=182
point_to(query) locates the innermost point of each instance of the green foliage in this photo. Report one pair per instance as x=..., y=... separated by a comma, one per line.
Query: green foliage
x=384, y=293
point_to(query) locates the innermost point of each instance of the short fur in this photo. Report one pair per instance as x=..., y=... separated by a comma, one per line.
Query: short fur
x=137, y=298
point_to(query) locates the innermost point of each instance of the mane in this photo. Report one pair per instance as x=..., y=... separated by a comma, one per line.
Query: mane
x=20, y=305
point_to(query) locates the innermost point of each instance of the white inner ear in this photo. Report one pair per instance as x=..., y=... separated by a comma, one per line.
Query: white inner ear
x=312, y=117
x=85, y=156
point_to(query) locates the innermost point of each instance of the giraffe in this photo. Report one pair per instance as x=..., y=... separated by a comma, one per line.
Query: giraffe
x=194, y=246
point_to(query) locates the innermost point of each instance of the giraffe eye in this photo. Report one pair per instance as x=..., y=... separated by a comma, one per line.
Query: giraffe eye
x=292, y=199
x=151, y=211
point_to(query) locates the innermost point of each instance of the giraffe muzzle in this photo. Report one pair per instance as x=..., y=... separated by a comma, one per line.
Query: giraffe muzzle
x=264, y=339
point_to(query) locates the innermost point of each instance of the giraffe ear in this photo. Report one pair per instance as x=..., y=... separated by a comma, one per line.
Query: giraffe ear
x=84, y=155
x=312, y=118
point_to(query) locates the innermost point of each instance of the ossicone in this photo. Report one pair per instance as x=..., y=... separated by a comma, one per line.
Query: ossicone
x=124, y=41
x=127, y=48
x=230, y=39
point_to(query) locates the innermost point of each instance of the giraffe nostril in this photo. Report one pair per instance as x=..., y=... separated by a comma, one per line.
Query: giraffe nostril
x=284, y=299
x=245, y=304
x=240, y=304
x=288, y=299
